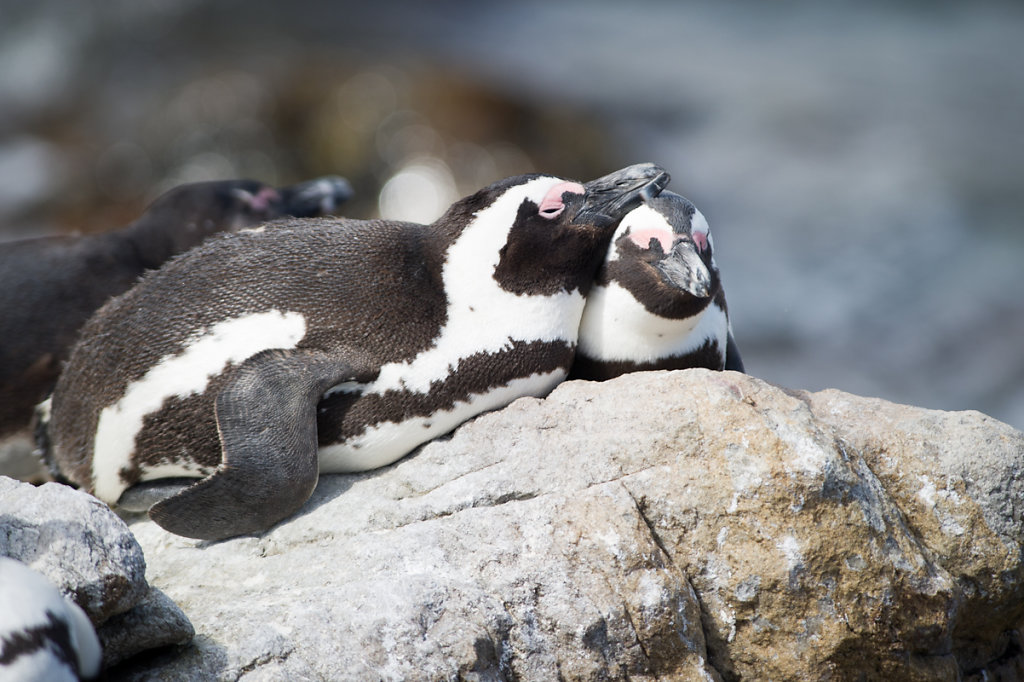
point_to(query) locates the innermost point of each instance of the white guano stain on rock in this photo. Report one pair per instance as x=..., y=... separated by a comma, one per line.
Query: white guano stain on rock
x=927, y=492
x=723, y=535
x=790, y=548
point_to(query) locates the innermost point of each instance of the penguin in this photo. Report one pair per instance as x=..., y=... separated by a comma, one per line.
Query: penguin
x=43, y=635
x=50, y=286
x=260, y=359
x=657, y=301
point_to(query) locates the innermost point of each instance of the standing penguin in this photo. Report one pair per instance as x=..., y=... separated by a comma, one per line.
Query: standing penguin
x=50, y=286
x=657, y=302
x=260, y=358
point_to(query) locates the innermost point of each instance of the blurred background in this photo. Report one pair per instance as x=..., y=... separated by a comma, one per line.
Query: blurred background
x=860, y=163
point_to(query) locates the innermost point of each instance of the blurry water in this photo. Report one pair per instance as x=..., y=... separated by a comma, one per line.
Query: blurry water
x=861, y=164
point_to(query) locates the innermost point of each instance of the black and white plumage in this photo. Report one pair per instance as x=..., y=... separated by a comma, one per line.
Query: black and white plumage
x=657, y=302
x=49, y=286
x=44, y=637
x=259, y=359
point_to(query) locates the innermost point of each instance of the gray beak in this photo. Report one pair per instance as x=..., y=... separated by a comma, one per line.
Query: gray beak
x=610, y=198
x=315, y=197
x=684, y=269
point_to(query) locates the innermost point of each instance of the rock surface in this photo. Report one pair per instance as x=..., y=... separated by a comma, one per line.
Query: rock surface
x=681, y=525
x=84, y=549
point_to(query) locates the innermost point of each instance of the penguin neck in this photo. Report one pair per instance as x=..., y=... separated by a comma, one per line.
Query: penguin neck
x=154, y=243
x=616, y=327
x=477, y=299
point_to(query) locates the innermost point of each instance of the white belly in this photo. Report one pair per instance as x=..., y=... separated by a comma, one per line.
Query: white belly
x=388, y=442
x=615, y=326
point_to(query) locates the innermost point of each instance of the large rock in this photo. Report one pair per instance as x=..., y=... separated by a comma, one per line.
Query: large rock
x=84, y=549
x=682, y=525
x=75, y=541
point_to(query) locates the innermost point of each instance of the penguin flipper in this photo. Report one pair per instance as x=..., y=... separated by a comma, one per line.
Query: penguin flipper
x=733, y=361
x=266, y=416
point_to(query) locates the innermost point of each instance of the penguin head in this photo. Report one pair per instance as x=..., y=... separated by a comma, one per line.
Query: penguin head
x=186, y=215
x=664, y=248
x=544, y=234
x=203, y=208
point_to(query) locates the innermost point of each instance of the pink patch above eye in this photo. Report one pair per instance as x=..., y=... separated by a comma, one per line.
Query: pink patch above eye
x=642, y=238
x=701, y=240
x=262, y=200
x=552, y=204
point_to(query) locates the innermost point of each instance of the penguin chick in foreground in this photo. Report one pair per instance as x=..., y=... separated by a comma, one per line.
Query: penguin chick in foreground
x=49, y=286
x=43, y=635
x=259, y=359
x=657, y=302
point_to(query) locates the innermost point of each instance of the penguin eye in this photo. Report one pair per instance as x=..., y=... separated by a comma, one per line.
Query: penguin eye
x=256, y=203
x=551, y=211
x=700, y=239
x=552, y=205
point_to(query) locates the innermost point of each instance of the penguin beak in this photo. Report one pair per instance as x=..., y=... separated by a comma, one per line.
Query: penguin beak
x=610, y=198
x=685, y=270
x=315, y=197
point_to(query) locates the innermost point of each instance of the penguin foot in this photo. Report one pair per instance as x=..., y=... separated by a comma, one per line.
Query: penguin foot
x=141, y=496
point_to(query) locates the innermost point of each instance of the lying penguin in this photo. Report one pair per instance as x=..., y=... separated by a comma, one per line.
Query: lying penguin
x=657, y=302
x=43, y=635
x=259, y=359
x=50, y=286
